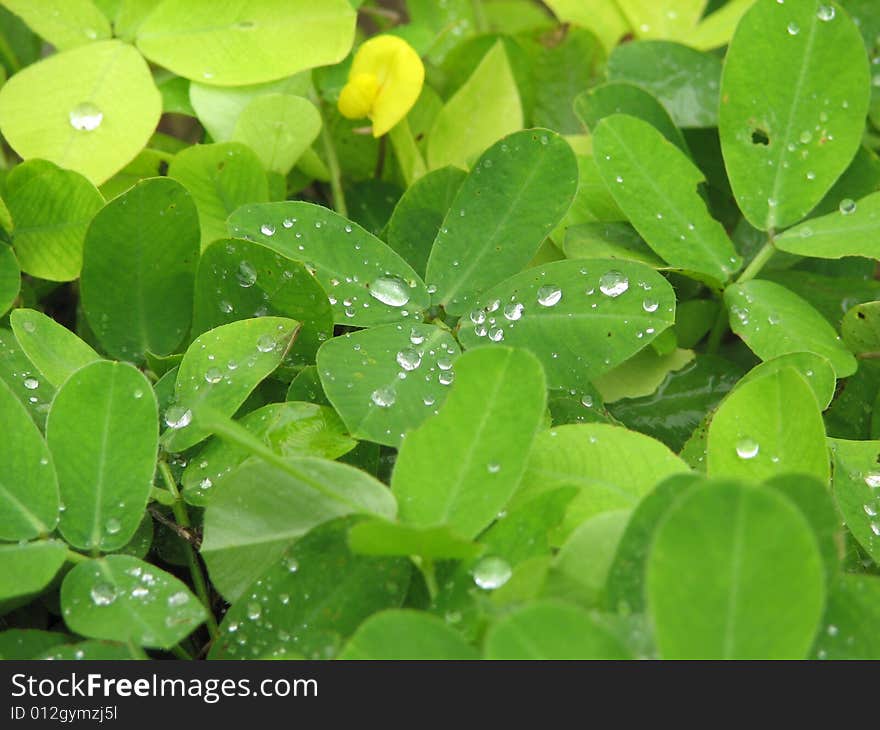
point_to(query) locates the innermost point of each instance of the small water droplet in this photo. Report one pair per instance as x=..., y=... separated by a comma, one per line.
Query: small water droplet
x=383, y=397
x=793, y=28
x=112, y=526
x=493, y=468
x=747, y=448
x=513, y=311
x=254, y=610
x=496, y=334
x=613, y=283
x=650, y=305
x=246, y=275
x=848, y=206
x=178, y=417
x=267, y=229
x=267, y=343
x=409, y=359
x=872, y=479
x=86, y=117
x=31, y=383
x=213, y=375
x=103, y=594
x=549, y=296
x=491, y=573
x=826, y=13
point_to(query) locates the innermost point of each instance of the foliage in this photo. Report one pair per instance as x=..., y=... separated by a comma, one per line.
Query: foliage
x=484, y=329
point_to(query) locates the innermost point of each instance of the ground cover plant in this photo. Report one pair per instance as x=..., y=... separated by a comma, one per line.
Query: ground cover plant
x=437, y=330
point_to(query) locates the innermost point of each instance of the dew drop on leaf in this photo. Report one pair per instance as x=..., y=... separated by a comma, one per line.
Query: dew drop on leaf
x=514, y=311
x=113, y=526
x=178, y=417
x=247, y=275
x=213, y=375
x=383, y=397
x=747, y=448
x=872, y=479
x=267, y=229
x=613, y=283
x=409, y=359
x=848, y=206
x=549, y=296
x=390, y=290
x=103, y=594
x=491, y=573
x=86, y=117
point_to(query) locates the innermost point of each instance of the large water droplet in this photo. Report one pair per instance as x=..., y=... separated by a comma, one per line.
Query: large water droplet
x=409, y=359
x=613, y=283
x=86, y=117
x=491, y=573
x=513, y=311
x=847, y=206
x=793, y=28
x=113, y=526
x=650, y=305
x=267, y=343
x=267, y=229
x=549, y=296
x=872, y=479
x=747, y=448
x=383, y=397
x=826, y=13
x=103, y=594
x=390, y=290
x=246, y=275
x=178, y=417
x=31, y=383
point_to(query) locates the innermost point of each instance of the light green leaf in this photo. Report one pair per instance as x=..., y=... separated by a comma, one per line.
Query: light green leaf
x=856, y=488
x=489, y=422
x=220, y=178
x=103, y=432
x=608, y=241
x=816, y=370
x=787, y=139
x=773, y=321
x=406, y=635
x=238, y=279
x=734, y=573
x=515, y=196
x=289, y=429
x=51, y=209
x=385, y=381
x=851, y=231
x=279, y=128
x=861, y=328
x=22, y=379
x=580, y=318
x=63, y=23
x=52, y=348
x=27, y=568
x=220, y=369
x=232, y=44
x=369, y=284
x=137, y=280
x=768, y=426
x=551, y=630
x=10, y=278
x=28, y=485
x=379, y=537
x=124, y=599
x=329, y=592
x=484, y=109
x=98, y=107
x=603, y=18
x=655, y=184
x=261, y=508
x=683, y=79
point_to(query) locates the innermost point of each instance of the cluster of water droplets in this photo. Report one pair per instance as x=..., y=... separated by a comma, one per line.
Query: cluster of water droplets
x=871, y=506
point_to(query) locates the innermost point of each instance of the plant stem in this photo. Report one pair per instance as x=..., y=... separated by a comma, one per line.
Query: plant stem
x=427, y=567
x=719, y=329
x=75, y=557
x=335, y=175
x=761, y=258
x=195, y=568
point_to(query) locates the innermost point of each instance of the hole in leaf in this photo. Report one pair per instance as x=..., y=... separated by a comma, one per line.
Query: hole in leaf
x=759, y=136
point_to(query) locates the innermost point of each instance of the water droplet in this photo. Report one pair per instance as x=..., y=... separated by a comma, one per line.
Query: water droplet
x=267, y=229
x=496, y=334
x=178, y=599
x=383, y=397
x=493, y=468
x=872, y=479
x=848, y=206
x=826, y=12
x=206, y=483
x=806, y=136
x=513, y=311
x=549, y=296
x=415, y=337
x=491, y=573
x=28, y=325
x=650, y=305
x=613, y=283
x=246, y=275
x=226, y=307
x=213, y=375
x=267, y=343
x=747, y=448
x=113, y=526
x=178, y=417
x=793, y=28
x=31, y=383
x=390, y=290
x=254, y=610
x=773, y=318
x=292, y=565
x=587, y=401
x=409, y=359
x=103, y=594
x=86, y=117
x=446, y=377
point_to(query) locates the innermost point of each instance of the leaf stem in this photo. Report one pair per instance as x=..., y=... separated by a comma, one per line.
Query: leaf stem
x=426, y=565
x=759, y=262
x=195, y=568
x=339, y=204
x=75, y=557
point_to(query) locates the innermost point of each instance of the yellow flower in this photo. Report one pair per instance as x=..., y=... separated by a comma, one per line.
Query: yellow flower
x=384, y=83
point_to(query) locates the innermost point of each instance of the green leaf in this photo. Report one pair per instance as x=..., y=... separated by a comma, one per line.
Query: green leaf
x=768, y=426
x=734, y=573
x=53, y=349
x=238, y=279
x=385, y=381
x=624, y=98
x=63, y=23
x=19, y=375
x=220, y=369
x=418, y=215
x=655, y=184
x=137, y=281
x=18, y=644
x=787, y=139
x=289, y=429
x=279, y=128
x=684, y=80
x=814, y=369
x=625, y=586
x=311, y=599
x=406, y=635
x=94, y=651
x=27, y=568
x=484, y=109
x=10, y=278
x=378, y=537
x=856, y=488
x=369, y=284
x=851, y=231
x=773, y=321
x=124, y=599
x=262, y=507
x=580, y=318
x=514, y=197
x=489, y=422
x=850, y=618
x=613, y=468
x=220, y=178
x=103, y=433
x=98, y=108
x=28, y=484
x=551, y=630
x=605, y=19
x=235, y=44
x=51, y=209
x=861, y=328
x=615, y=240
